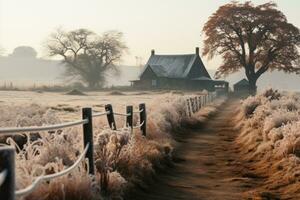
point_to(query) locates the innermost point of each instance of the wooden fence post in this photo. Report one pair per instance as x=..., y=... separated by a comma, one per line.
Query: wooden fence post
x=110, y=117
x=196, y=104
x=7, y=162
x=192, y=105
x=129, y=118
x=143, y=118
x=200, y=102
x=188, y=107
x=88, y=137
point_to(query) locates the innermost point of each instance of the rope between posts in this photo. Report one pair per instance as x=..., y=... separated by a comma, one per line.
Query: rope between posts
x=139, y=126
x=15, y=130
x=35, y=183
x=101, y=114
x=122, y=114
x=139, y=111
x=3, y=176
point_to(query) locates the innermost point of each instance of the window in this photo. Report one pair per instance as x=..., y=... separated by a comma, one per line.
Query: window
x=154, y=83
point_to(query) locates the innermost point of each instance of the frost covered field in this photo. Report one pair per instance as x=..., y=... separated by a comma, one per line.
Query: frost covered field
x=122, y=158
x=68, y=105
x=270, y=140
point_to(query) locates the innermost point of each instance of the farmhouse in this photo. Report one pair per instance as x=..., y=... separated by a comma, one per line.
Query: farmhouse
x=185, y=71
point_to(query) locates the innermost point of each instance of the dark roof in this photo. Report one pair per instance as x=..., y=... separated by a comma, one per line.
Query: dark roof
x=243, y=82
x=172, y=66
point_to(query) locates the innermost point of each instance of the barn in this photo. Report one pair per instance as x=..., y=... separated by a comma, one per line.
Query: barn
x=185, y=71
x=241, y=87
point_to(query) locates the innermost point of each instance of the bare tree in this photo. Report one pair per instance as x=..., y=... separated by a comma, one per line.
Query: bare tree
x=254, y=38
x=88, y=56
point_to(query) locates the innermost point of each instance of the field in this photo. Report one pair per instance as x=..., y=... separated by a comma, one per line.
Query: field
x=68, y=106
x=122, y=158
x=249, y=148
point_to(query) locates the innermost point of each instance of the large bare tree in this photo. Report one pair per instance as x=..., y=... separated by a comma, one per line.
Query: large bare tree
x=88, y=56
x=254, y=38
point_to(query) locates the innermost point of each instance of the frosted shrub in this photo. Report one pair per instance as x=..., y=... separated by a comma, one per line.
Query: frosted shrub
x=60, y=145
x=139, y=156
x=292, y=105
x=290, y=143
x=271, y=94
x=78, y=185
x=279, y=118
x=173, y=113
x=108, y=147
x=249, y=105
x=26, y=115
x=116, y=185
x=44, y=156
x=270, y=136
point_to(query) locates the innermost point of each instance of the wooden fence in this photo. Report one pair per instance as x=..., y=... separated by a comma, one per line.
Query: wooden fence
x=7, y=154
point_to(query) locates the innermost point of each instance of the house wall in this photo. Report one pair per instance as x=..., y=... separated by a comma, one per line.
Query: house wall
x=148, y=74
x=198, y=69
x=175, y=84
x=241, y=88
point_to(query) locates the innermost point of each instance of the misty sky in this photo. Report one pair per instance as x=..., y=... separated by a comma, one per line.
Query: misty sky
x=168, y=26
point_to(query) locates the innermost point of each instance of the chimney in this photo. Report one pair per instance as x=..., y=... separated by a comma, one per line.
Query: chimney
x=152, y=52
x=197, y=51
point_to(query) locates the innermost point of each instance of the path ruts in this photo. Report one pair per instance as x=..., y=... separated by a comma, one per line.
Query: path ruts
x=207, y=166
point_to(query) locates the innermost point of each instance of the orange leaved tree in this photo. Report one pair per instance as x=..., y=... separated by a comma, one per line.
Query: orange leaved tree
x=254, y=38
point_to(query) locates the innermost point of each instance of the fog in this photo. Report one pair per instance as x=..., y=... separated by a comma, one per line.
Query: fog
x=23, y=68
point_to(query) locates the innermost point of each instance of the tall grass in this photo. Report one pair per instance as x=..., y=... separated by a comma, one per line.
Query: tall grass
x=123, y=158
x=270, y=138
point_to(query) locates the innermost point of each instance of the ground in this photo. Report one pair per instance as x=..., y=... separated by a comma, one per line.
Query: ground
x=69, y=106
x=207, y=165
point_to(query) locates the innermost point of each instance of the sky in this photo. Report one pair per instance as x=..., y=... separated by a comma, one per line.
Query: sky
x=168, y=26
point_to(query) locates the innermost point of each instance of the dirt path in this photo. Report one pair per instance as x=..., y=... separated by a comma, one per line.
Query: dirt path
x=207, y=166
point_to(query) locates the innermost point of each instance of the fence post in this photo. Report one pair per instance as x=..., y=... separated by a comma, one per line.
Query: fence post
x=192, y=105
x=143, y=118
x=196, y=103
x=129, y=118
x=7, y=162
x=110, y=116
x=200, y=102
x=88, y=137
x=189, y=107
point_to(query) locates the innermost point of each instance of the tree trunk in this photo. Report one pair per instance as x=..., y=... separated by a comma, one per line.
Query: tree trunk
x=252, y=85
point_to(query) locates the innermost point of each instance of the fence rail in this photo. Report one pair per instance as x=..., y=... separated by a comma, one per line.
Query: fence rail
x=7, y=154
x=42, y=128
x=30, y=188
x=2, y=176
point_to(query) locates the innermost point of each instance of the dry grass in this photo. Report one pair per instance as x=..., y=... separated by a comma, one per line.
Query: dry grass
x=123, y=158
x=270, y=140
